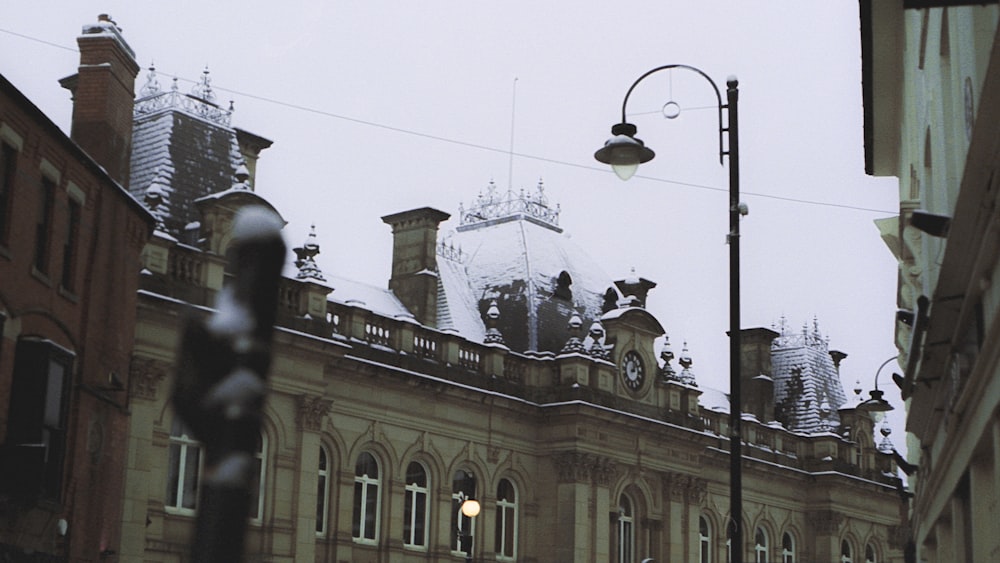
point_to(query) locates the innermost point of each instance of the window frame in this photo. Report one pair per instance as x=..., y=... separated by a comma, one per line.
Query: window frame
x=260, y=458
x=464, y=482
x=359, y=530
x=71, y=246
x=31, y=419
x=41, y=261
x=8, y=172
x=626, y=529
x=704, y=540
x=846, y=551
x=418, y=519
x=180, y=436
x=787, y=548
x=760, y=548
x=506, y=514
x=322, y=491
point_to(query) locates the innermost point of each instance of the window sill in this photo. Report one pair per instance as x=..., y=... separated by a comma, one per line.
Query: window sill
x=69, y=295
x=186, y=512
x=40, y=276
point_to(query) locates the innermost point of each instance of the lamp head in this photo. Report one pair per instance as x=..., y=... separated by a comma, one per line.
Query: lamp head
x=624, y=151
x=471, y=507
x=875, y=404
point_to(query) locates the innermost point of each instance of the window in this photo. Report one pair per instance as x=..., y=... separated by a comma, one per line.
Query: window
x=845, y=552
x=36, y=424
x=415, y=506
x=506, y=521
x=729, y=542
x=626, y=530
x=787, y=548
x=463, y=528
x=322, y=490
x=43, y=229
x=257, y=484
x=870, y=554
x=70, y=247
x=8, y=169
x=704, y=540
x=366, y=499
x=760, y=546
x=183, y=469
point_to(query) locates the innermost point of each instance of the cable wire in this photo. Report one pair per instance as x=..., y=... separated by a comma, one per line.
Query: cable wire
x=477, y=146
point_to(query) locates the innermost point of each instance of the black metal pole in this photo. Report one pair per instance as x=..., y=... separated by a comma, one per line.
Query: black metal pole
x=735, y=399
x=220, y=387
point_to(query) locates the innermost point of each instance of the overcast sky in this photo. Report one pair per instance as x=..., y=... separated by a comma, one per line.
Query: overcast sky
x=377, y=107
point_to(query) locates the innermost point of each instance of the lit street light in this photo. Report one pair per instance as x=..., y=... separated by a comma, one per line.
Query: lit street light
x=625, y=152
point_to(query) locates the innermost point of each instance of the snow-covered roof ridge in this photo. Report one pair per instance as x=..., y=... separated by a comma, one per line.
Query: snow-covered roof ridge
x=491, y=206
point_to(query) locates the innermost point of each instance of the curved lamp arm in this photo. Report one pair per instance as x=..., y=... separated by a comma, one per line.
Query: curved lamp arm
x=732, y=82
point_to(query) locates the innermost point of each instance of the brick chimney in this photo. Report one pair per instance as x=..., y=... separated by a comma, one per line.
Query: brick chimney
x=103, y=95
x=414, y=260
x=757, y=373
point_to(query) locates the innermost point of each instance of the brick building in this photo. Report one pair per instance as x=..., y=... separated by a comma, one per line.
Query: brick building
x=70, y=241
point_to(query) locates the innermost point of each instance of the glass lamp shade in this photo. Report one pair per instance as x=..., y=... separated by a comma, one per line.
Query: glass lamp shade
x=876, y=404
x=471, y=508
x=624, y=152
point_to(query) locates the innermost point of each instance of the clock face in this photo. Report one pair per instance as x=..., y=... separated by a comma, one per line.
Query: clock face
x=633, y=373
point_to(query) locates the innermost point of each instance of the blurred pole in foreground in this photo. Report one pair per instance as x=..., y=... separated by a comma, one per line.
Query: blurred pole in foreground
x=222, y=368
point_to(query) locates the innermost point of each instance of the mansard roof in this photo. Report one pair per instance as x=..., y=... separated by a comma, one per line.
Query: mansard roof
x=183, y=149
x=510, y=248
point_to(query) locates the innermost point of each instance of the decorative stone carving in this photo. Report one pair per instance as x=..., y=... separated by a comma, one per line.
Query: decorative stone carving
x=145, y=375
x=311, y=411
x=826, y=521
x=574, y=467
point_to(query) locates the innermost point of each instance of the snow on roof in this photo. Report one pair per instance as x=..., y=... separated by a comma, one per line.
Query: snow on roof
x=518, y=261
x=375, y=299
x=713, y=399
x=807, y=386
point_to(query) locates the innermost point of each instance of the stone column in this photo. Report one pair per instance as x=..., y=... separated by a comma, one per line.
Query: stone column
x=310, y=414
x=146, y=396
x=583, y=496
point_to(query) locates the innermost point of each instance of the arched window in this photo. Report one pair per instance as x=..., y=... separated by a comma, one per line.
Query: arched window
x=704, y=540
x=760, y=546
x=729, y=543
x=845, y=552
x=463, y=528
x=415, y=506
x=506, y=522
x=257, y=485
x=183, y=469
x=366, y=499
x=787, y=548
x=322, y=490
x=870, y=554
x=626, y=530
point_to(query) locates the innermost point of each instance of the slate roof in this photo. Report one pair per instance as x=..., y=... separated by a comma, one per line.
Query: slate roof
x=183, y=149
x=807, y=387
x=509, y=248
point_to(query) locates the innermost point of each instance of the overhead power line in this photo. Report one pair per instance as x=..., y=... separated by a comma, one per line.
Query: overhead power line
x=430, y=136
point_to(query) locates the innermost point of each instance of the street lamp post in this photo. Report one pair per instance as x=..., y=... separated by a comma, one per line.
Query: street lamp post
x=624, y=152
x=470, y=508
x=876, y=403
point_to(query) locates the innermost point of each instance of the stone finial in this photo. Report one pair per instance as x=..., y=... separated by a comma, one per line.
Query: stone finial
x=596, y=336
x=575, y=343
x=667, y=372
x=493, y=335
x=306, y=258
x=687, y=374
x=885, y=445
